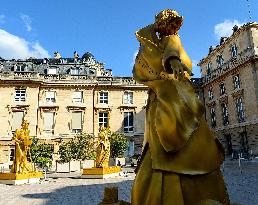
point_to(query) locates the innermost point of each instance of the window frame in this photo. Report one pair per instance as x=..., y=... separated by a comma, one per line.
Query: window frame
x=20, y=95
x=225, y=115
x=102, y=98
x=236, y=81
x=75, y=71
x=220, y=60
x=210, y=93
x=209, y=68
x=240, y=109
x=103, y=120
x=222, y=89
x=49, y=131
x=128, y=97
x=128, y=123
x=77, y=130
x=234, y=51
x=50, y=99
x=213, y=117
x=75, y=99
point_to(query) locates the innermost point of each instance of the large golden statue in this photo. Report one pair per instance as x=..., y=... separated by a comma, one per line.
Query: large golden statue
x=181, y=157
x=103, y=149
x=22, y=150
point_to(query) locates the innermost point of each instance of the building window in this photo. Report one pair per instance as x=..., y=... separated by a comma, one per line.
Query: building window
x=236, y=81
x=20, y=68
x=209, y=68
x=128, y=122
x=20, y=94
x=225, y=114
x=222, y=89
x=103, y=119
x=76, y=122
x=234, y=51
x=213, y=117
x=17, y=120
x=220, y=60
x=50, y=96
x=77, y=96
x=128, y=97
x=49, y=122
x=11, y=156
x=240, y=109
x=103, y=97
x=210, y=94
x=52, y=71
x=75, y=71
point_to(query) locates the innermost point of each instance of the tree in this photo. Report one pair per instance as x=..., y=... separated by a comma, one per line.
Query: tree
x=82, y=147
x=41, y=153
x=118, y=144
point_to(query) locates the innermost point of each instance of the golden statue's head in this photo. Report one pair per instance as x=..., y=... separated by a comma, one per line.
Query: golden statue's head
x=25, y=125
x=168, y=22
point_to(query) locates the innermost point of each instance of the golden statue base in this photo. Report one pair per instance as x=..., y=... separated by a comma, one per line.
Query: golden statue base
x=102, y=172
x=20, y=178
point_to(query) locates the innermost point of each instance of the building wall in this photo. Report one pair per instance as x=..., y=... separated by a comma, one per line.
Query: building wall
x=245, y=65
x=35, y=105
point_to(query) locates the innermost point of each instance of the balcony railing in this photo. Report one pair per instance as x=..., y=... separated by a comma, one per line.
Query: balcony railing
x=229, y=65
x=35, y=76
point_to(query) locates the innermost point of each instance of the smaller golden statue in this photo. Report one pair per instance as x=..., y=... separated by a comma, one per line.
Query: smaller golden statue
x=23, y=142
x=103, y=149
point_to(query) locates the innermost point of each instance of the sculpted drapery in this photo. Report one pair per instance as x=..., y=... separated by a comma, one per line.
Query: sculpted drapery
x=181, y=157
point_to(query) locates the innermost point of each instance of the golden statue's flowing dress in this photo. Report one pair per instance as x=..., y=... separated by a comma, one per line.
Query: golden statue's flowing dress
x=181, y=159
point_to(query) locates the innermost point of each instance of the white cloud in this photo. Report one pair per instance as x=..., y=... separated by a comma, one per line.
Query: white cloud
x=2, y=19
x=224, y=29
x=27, y=21
x=12, y=46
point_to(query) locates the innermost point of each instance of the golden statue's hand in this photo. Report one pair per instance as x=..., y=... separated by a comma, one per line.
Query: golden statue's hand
x=177, y=68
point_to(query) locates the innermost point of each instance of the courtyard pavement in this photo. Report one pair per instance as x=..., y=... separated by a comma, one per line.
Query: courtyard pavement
x=69, y=189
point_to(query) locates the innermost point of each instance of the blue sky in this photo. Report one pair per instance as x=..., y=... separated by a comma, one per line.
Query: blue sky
x=106, y=28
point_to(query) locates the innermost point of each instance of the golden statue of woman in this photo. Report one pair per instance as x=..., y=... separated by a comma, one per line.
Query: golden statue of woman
x=22, y=149
x=103, y=149
x=181, y=158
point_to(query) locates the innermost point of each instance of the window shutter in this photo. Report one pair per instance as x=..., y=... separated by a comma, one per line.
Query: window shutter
x=17, y=120
x=77, y=120
x=50, y=94
x=48, y=120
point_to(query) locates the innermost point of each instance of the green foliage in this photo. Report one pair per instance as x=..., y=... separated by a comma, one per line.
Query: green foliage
x=41, y=153
x=82, y=147
x=118, y=144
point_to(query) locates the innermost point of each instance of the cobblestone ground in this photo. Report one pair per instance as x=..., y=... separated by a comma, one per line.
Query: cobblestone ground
x=68, y=189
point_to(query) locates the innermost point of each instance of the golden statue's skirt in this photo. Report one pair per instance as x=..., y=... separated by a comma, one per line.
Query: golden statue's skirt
x=168, y=188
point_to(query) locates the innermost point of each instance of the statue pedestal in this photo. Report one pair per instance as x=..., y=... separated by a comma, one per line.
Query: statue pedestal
x=20, y=178
x=101, y=173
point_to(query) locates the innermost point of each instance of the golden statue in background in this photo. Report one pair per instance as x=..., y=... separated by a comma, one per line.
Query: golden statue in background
x=23, y=142
x=181, y=159
x=103, y=149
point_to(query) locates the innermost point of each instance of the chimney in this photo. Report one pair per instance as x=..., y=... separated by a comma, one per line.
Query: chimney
x=211, y=49
x=222, y=40
x=235, y=28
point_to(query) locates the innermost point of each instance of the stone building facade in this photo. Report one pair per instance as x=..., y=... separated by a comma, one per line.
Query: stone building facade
x=66, y=96
x=230, y=89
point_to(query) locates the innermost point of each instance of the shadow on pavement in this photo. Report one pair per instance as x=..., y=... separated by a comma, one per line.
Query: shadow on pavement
x=82, y=194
